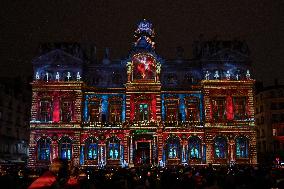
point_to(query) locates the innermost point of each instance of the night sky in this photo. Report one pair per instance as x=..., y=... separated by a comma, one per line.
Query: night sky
x=25, y=24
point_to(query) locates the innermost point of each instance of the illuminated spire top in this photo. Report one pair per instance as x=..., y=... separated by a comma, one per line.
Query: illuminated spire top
x=145, y=27
x=144, y=35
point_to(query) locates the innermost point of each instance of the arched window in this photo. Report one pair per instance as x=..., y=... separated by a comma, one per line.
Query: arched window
x=194, y=147
x=113, y=148
x=65, y=148
x=43, y=149
x=220, y=147
x=173, y=147
x=91, y=148
x=242, y=147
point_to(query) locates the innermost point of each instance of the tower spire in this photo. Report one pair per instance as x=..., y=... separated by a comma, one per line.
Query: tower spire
x=144, y=35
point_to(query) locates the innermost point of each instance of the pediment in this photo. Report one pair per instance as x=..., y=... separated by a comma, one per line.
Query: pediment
x=57, y=57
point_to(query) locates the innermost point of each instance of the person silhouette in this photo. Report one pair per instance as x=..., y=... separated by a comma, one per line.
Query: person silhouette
x=50, y=178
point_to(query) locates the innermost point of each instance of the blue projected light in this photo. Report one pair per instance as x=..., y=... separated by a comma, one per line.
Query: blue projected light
x=123, y=113
x=182, y=104
x=163, y=107
x=82, y=155
x=86, y=117
x=104, y=105
x=145, y=26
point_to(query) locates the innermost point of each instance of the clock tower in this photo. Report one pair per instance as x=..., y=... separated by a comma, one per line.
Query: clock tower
x=143, y=85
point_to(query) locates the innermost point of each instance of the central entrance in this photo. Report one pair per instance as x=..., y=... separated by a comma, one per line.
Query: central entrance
x=142, y=153
x=142, y=150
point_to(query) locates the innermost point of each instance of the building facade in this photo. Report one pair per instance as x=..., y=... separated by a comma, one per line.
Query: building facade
x=14, y=120
x=269, y=108
x=143, y=109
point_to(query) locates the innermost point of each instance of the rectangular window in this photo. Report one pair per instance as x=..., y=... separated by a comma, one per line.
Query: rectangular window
x=192, y=109
x=95, y=107
x=45, y=111
x=143, y=112
x=218, y=108
x=66, y=111
x=172, y=110
x=115, y=113
x=94, y=110
x=239, y=108
x=115, y=109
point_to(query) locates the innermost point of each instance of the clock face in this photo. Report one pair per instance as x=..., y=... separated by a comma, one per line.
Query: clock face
x=144, y=66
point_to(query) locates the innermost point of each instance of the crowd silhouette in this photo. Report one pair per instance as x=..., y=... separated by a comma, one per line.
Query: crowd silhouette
x=61, y=175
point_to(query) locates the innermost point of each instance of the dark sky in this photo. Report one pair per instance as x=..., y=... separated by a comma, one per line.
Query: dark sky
x=110, y=23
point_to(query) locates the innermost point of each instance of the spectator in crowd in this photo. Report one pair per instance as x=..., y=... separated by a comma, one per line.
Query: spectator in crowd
x=52, y=178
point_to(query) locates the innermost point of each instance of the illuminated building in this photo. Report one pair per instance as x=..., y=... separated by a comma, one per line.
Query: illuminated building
x=144, y=109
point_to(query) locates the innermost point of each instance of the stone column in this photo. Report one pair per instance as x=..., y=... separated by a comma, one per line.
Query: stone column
x=203, y=153
x=54, y=150
x=131, y=151
x=184, y=147
x=232, y=152
x=102, y=153
x=154, y=151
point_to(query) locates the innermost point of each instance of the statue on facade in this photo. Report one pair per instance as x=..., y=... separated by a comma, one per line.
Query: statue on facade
x=216, y=75
x=129, y=70
x=111, y=153
x=47, y=76
x=68, y=76
x=228, y=75
x=78, y=77
x=237, y=76
x=57, y=77
x=37, y=76
x=158, y=70
x=248, y=74
x=116, y=154
x=207, y=75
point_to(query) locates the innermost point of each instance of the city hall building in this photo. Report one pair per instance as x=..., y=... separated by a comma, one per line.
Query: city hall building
x=143, y=109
